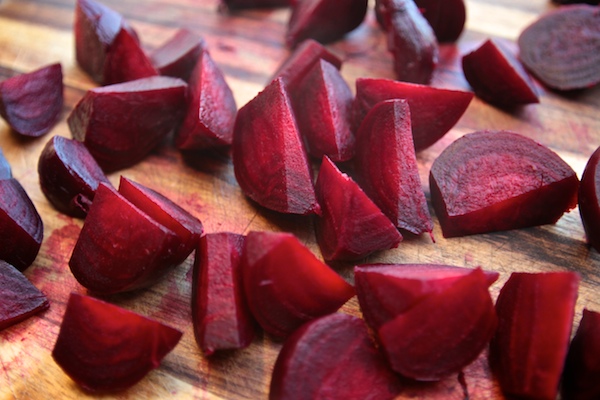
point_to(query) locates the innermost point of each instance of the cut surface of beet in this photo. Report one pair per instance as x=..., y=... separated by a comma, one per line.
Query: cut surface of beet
x=531, y=184
x=105, y=348
x=126, y=60
x=178, y=56
x=589, y=200
x=5, y=169
x=447, y=18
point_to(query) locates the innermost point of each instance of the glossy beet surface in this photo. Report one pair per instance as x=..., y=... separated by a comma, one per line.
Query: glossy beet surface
x=447, y=18
x=589, y=200
x=532, y=185
x=178, y=56
x=32, y=102
x=105, y=348
x=307, y=357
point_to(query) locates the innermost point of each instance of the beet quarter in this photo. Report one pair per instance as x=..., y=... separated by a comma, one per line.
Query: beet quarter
x=589, y=201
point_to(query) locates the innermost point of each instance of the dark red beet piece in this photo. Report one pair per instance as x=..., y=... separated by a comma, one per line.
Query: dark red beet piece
x=31, y=103
x=562, y=47
x=387, y=166
x=249, y=4
x=178, y=56
x=211, y=109
x=105, y=348
x=589, y=201
x=121, y=124
x=220, y=314
x=269, y=160
x=19, y=298
x=69, y=175
x=5, y=170
x=444, y=332
x=535, y=316
x=531, y=184
x=286, y=285
x=21, y=228
x=126, y=60
x=497, y=76
x=433, y=111
x=332, y=357
x=324, y=20
x=582, y=366
x=446, y=17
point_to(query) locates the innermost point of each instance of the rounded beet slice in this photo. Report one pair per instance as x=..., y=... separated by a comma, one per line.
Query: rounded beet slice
x=589, y=199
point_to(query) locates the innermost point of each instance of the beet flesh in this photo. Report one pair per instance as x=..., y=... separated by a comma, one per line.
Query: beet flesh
x=589, y=200
x=447, y=18
x=178, y=56
x=126, y=60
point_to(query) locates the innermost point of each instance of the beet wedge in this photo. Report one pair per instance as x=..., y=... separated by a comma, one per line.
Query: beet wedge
x=178, y=56
x=121, y=124
x=386, y=165
x=363, y=374
x=588, y=200
x=535, y=314
x=286, y=285
x=351, y=225
x=20, y=299
x=220, y=314
x=105, y=348
x=433, y=111
x=270, y=162
x=443, y=333
x=32, y=103
x=447, y=18
x=5, y=169
x=532, y=185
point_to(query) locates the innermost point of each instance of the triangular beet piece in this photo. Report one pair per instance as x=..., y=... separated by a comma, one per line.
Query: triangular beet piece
x=178, y=56
x=211, y=109
x=447, y=18
x=19, y=299
x=126, y=60
x=387, y=166
x=269, y=159
x=5, y=169
x=351, y=226
x=434, y=111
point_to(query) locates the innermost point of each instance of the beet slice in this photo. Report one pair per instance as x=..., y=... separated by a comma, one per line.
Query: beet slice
x=5, y=170
x=121, y=124
x=178, y=56
x=444, y=332
x=249, y=4
x=19, y=298
x=211, y=109
x=589, y=200
x=69, y=175
x=434, y=111
x=447, y=18
x=497, y=76
x=286, y=285
x=351, y=226
x=31, y=103
x=324, y=20
x=531, y=184
x=582, y=365
x=220, y=314
x=126, y=60
x=313, y=356
x=21, y=228
x=269, y=160
x=562, y=47
x=105, y=348
x=535, y=314
x=387, y=166
x=387, y=290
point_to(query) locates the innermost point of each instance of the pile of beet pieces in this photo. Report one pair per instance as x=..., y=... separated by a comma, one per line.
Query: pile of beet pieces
x=423, y=322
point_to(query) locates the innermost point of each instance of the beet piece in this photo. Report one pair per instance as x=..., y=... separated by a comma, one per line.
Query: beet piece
x=582, y=365
x=5, y=170
x=286, y=285
x=178, y=56
x=211, y=109
x=562, y=47
x=269, y=160
x=446, y=17
x=535, y=316
x=21, y=228
x=324, y=20
x=31, y=103
x=322, y=102
x=220, y=314
x=387, y=290
x=589, y=201
x=121, y=124
x=497, y=76
x=249, y=4
x=433, y=111
x=443, y=333
x=313, y=356
x=387, y=166
x=19, y=298
x=531, y=184
x=126, y=60
x=69, y=175
x=105, y=348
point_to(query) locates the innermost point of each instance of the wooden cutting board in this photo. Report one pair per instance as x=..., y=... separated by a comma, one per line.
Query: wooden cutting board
x=248, y=47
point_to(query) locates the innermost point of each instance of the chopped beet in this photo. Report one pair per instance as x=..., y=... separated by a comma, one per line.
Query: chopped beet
x=5, y=170
x=531, y=184
x=178, y=56
x=447, y=17
x=126, y=60
x=588, y=200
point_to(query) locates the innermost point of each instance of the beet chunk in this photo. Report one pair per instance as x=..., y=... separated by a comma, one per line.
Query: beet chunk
x=531, y=184
x=446, y=17
x=589, y=203
x=178, y=56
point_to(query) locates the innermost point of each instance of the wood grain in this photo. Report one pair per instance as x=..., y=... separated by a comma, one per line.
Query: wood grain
x=248, y=46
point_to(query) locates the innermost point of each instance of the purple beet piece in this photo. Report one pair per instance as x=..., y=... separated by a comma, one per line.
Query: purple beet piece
x=446, y=17
x=589, y=201
x=249, y=4
x=31, y=103
x=5, y=170
x=126, y=60
x=19, y=298
x=178, y=56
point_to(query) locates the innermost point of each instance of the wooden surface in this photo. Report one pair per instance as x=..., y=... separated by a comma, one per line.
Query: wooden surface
x=248, y=47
